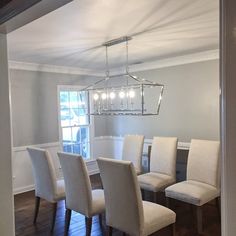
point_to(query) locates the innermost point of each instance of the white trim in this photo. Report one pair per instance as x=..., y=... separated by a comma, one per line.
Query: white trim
x=59, y=116
x=92, y=167
x=90, y=162
x=94, y=172
x=176, y=61
x=23, y=189
x=18, y=65
x=181, y=145
x=91, y=120
x=162, y=63
x=43, y=145
x=108, y=138
x=110, y=146
x=31, y=187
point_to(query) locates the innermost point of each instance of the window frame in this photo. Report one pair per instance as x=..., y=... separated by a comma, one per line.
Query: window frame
x=91, y=118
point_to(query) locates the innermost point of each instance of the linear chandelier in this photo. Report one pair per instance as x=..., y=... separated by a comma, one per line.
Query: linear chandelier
x=125, y=93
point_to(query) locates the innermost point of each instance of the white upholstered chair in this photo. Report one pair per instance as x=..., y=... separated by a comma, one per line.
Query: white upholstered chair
x=125, y=209
x=203, y=177
x=133, y=150
x=79, y=194
x=162, y=166
x=46, y=184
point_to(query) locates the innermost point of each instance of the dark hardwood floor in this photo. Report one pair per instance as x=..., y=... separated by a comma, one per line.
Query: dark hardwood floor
x=24, y=209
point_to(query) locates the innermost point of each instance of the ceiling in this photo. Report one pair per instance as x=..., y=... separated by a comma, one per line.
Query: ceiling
x=72, y=35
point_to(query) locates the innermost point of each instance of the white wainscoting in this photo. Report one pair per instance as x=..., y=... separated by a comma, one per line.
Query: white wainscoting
x=111, y=146
x=104, y=146
x=22, y=171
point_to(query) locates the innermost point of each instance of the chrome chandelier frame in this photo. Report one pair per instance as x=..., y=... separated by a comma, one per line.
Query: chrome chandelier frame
x=101, y=93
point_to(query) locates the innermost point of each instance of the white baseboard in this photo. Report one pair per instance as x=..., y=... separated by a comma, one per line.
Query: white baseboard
x=31, y=187
x=94, y=172
x=23, y=189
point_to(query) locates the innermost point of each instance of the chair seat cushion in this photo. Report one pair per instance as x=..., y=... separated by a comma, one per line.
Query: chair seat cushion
x=60, y=193
x=156, y=217
x=154, y=181
x=98, y=201
x=193, y=192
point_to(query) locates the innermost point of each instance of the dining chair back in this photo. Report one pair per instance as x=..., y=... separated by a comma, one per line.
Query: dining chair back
x=77, y=183
x=133, y=150
x=203, y=178
x=79, y=194
x=44, y=173
x=163, y=156
x=203, y=162
x=162, y=166
x=124, y=210
x=47, y=186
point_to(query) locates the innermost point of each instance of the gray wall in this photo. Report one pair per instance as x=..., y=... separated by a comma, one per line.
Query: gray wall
x=190, y=105
x=34, y=105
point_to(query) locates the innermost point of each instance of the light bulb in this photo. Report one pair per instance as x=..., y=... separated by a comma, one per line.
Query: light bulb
x=95, y=96
x=112, y=95
x=131, y=93
x=104, y=96
x=121, y=94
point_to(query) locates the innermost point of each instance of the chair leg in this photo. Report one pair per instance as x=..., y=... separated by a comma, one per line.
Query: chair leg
x=36, y=210
x=167, y=202
x=154, y=197
x=218, y=205
x=100, y=222
x=54, y=213
x=173, y=230
x=199, y=220
x=192, y=208
x=143, y=194
x=88, y=222
x=67, y=221
x=109, y=231
x=101, y=182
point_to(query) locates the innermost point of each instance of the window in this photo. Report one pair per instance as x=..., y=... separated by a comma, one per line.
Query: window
x=74, y=121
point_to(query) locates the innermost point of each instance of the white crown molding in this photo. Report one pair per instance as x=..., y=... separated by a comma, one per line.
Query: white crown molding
x=172, y=61
x=17, y=65
x=175, y=61
x=168, y=62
